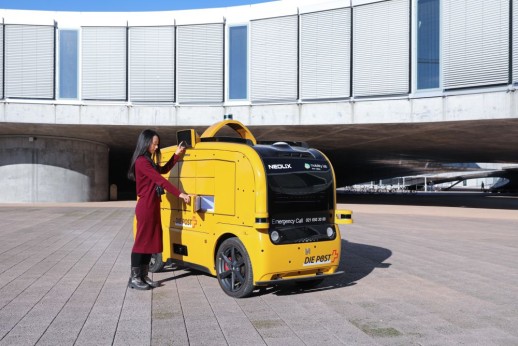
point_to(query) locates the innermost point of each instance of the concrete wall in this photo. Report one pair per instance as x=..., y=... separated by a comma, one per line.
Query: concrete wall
x=52, y=169
x=499, y=103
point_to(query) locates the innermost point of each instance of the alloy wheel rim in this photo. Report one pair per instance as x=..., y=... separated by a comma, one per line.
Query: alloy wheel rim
x=232, y=269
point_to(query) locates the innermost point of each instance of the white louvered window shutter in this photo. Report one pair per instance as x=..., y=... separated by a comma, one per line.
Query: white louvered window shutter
x=151, y=63
x=325, y=54
x=29, y=61
x=475, y=43
x=200, y=63
x=274, y=56
x=381, y=43
x=515, y=41
x=1, y=61
x=104, y=63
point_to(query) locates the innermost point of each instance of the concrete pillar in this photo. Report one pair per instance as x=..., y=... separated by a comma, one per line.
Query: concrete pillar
x=52, y=169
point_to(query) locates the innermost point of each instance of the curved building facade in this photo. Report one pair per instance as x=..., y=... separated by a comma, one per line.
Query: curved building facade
x=280, y=63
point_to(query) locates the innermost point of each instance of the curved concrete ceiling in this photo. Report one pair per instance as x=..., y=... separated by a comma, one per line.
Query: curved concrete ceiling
x=359, y=152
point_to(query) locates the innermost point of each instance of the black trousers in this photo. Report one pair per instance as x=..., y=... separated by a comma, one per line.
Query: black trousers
x=140, y=259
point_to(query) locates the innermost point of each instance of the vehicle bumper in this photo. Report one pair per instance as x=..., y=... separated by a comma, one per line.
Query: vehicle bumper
x=302, y=261
x=283, y=280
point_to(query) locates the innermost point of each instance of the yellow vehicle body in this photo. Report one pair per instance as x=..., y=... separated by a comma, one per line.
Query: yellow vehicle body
x=230, y=200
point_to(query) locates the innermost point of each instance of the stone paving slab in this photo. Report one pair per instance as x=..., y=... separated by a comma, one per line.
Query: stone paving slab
x=414, y=276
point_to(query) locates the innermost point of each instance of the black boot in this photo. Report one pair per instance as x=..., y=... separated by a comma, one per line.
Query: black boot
x=135, y=280
x=144, y=275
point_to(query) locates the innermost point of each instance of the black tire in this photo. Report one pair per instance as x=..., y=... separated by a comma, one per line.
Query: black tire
x=156, y=264
x=234, y=269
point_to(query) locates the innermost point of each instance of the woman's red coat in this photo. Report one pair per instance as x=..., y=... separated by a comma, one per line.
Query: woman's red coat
x=148, y=239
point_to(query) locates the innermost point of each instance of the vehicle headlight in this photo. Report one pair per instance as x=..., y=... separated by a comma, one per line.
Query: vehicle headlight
x=331, y=232
x=275, y=236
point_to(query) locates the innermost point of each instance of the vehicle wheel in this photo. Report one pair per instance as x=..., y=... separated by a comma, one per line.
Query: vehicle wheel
x=156, y=264
x=308, y=284
x=234, y=269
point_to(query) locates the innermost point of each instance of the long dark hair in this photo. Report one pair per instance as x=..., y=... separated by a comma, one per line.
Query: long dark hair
x=144, y=141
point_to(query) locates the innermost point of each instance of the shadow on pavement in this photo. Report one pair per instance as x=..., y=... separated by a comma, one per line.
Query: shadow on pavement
x=357, y=261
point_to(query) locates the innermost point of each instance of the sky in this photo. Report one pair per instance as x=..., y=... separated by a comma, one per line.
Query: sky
x=120, y=5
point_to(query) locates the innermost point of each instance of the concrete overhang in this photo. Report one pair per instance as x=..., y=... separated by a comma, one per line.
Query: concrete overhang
x=366, y=140
x=359, y=152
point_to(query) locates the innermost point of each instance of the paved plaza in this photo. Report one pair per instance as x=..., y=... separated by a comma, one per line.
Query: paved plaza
x=415, y=275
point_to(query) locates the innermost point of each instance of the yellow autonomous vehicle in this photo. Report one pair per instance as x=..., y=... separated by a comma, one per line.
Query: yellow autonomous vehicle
x=261, y=213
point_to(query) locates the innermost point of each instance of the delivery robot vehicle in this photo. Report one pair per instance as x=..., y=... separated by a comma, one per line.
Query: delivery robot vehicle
x=261, y=214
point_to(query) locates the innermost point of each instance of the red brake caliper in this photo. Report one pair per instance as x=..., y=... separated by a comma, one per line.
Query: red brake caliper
x=225, y=265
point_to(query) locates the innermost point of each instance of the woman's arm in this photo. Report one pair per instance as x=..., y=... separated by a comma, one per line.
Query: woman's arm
x=169, y=165
x=172, y=161
x=146, y=168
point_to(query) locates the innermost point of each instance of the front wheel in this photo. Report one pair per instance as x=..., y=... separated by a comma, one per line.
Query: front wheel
x=234, y=269
x=156, y=264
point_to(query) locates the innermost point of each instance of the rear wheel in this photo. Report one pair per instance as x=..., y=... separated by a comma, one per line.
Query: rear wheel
x=156, y=264
x=234, y=269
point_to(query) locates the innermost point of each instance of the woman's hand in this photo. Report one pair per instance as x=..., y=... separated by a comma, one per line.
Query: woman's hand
x=180, y=150
x=186, y=198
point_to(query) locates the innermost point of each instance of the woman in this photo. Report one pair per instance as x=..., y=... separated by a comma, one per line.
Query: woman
x=146, y=171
